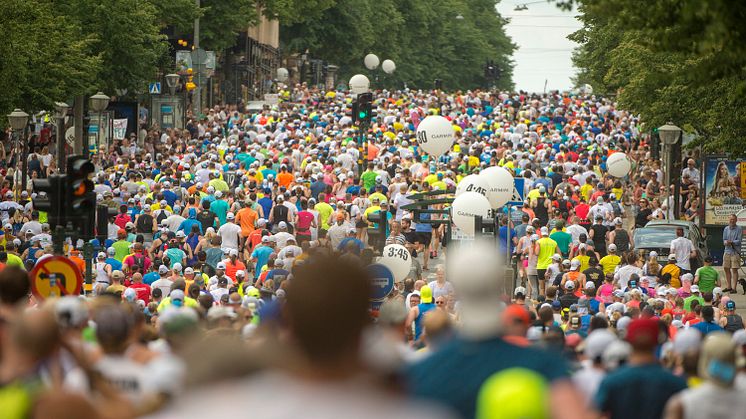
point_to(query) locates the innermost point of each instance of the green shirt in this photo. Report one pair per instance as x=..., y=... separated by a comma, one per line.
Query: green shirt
x=369, y=179
x=122, y=248
x=563, y=241
x=688, y=301
x=708, y=278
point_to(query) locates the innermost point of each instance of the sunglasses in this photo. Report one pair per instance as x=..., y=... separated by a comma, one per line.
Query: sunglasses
x=440, y=303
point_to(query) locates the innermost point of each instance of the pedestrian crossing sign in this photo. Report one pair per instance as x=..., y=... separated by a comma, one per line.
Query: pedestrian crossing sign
x=518, y=191
x=154, y=88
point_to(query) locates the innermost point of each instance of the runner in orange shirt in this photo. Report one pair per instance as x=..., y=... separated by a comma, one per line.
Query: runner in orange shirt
x=246, y=217
x=285, y=178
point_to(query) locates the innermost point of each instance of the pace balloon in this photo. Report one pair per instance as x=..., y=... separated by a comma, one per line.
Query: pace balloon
x=501, y=185
x=398, y=259
x=618, y=165
x=359, y=84
x=465, y=207
x=435, y=135
x=472, y=183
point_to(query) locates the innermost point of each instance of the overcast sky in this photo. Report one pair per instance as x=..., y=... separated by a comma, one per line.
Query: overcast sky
x=544, y=52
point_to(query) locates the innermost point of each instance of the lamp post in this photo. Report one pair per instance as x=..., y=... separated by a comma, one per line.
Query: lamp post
x=98, y=103
x=172, y=80
x=61, y=109
x=670, y=135
x=18, y=120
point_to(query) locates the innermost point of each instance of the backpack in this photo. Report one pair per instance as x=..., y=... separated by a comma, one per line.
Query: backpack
x=281, y=213
x=161, y=216
x=140, y=262
x=617, y=209
x=145, y=224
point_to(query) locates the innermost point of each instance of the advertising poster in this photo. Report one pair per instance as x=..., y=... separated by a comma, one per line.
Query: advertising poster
x=120, y=129
x=724, y=189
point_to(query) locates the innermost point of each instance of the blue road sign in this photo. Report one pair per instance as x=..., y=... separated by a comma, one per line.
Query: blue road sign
x=154, y=88
x=382, y=281
x=518, y=192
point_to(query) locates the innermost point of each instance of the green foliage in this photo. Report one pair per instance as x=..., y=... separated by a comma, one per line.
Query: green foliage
x=128, y=40
x=46, y=57
x=424, y=38
x=670, y=60
x=222, y=20
x=177, y=13
x=294, y=11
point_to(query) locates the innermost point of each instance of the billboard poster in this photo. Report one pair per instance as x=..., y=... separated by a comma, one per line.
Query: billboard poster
x=725, y=193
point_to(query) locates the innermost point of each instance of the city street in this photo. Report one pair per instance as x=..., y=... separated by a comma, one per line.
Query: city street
x=394, y=209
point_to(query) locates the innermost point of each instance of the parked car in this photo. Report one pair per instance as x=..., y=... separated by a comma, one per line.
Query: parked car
x=658, y=234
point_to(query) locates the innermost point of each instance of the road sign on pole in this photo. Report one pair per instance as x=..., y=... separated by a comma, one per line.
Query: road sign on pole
x=382, y=282
x=55, y=276
x=154, y=88
x=518, y=192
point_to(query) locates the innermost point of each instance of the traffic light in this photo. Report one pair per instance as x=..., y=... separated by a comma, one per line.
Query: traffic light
x=364, y=110
x=378, y=233
x=50, y=198
x=81, y=198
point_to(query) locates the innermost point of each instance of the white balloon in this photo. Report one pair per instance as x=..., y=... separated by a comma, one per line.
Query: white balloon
x=371, y=61
x=398, y=259
x=282, y=74
x=359, y=84
x=435, y=135
x=465, y=207
x=388, y=66
x=473, y=183
x=618, y=165
x=501, y=185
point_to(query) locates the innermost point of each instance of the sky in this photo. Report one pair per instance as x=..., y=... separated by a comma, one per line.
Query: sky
x=544, y=53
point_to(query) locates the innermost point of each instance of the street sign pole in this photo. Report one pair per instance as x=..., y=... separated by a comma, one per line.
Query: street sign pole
x=508, y=263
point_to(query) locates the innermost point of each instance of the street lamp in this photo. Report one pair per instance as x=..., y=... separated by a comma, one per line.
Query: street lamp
x=61, y=109
x=18, y=120
x=670, y=135
x=98, y=103
x=371, y=61
x=388, y=66
x=172, y=80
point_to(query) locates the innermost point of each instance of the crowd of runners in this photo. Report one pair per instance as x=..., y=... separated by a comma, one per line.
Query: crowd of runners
x=232, y=281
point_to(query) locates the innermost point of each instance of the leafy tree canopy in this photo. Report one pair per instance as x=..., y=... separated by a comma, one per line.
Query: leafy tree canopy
x=427, y=39
x=670, y=60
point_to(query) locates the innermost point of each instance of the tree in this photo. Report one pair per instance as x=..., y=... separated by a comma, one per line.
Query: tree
x=46, y=56
x=426, y=39
x=126, y=36
x=670, y=60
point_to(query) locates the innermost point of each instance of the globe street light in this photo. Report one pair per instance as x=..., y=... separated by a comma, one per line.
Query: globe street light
x=61, y=109
x=282, y=74
x=371, y=61
x=388, y=66
x=98, y=103
x=18, y=120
